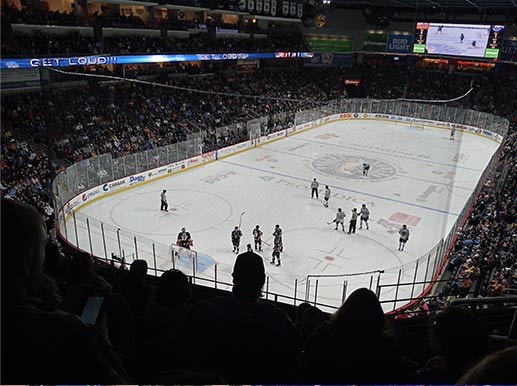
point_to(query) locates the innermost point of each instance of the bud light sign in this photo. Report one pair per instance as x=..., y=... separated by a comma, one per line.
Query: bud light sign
x=399, y=43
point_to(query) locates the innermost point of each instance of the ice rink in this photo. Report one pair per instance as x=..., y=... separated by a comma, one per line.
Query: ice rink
x=418, y=177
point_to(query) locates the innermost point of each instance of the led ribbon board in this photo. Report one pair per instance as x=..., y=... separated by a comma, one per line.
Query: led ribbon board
x=136, y=59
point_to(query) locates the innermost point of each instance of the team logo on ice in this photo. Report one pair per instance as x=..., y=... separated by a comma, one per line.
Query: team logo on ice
x=350, y=167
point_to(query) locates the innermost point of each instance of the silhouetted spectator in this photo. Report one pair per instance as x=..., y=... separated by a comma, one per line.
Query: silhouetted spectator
x=51, y=347
x=83, y=282
x=496, y=368
x=354, y=345
x=202, y=328
x=255, y=330
x=133, y=287
x=311, y=318
x=459, y=339
x=164, y=318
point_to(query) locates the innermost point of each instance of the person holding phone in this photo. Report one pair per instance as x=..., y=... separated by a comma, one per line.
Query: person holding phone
x=58, y=348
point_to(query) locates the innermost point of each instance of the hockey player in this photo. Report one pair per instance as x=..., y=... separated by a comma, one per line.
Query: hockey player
x=184, y=240
x=278, y=231
x=277, y=249
x=236, y=239
x=164, y=206
x=314, y=188
x=257, y=236
x=353, y=221
x=340, y=219
x=453, y=131
x=326, y=197
x=462, y=37
x=364, y=216
x=404, y=237
x=366, y=167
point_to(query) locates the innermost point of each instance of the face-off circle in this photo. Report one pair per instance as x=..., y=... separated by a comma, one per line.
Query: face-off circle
x=350, y=167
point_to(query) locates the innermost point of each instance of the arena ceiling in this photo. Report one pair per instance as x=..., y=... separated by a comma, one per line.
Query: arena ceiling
x=470, y=5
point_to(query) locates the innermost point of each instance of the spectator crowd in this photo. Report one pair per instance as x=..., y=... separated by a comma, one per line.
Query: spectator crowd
x=74, y=43
x=108, y=18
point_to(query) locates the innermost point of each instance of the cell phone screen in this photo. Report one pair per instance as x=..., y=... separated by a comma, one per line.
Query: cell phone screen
x=91, y=309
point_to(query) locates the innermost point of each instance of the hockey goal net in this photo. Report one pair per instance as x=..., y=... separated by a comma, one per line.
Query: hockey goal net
x=183, y=259
x=417, y=124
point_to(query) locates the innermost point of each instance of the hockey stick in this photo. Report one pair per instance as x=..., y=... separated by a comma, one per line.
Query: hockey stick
x=265, y=242
x=331, y=222
x=240, y=220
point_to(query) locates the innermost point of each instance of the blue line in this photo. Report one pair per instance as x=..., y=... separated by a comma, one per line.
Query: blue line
x=387, y=154
x=346, y=190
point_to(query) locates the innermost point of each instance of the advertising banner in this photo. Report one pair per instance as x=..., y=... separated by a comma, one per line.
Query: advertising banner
x=399, y=43
x=509, y=51
x=374, y=42
x=330, y=44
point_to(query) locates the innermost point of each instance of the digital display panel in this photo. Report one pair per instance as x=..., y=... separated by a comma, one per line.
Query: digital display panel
x=136, y=59
x=470, y=40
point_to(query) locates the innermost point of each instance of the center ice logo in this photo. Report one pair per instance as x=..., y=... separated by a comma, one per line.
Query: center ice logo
x=350, y=167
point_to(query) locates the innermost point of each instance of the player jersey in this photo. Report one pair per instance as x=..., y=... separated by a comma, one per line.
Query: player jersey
x=365, y=213
x=277, y=248
x=183, y=238
x=404, y=234
x=277, y=232
x=327, y=194
x=314, y=184
x=164, y=197
x=236, y=234
x=366, y=166
x=354, y=216
x=340, y=216
x=257, y=234
x=278, y=240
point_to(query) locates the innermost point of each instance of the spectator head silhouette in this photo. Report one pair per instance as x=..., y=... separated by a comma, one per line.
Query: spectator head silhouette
x=81, y=266
x=173, y=288
x=498, y=367
x=138, y=269
x=361, y=310
x=24, y=236
x=459, y=337
x=248, y=276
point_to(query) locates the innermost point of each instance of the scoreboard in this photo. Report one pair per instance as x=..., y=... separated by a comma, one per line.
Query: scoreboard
x=469, y=40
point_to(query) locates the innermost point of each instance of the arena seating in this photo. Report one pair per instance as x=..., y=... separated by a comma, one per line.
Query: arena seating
x=73, y=43
x=185, y=333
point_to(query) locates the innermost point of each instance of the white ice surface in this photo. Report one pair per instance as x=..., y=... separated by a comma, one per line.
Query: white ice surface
x=418, y=177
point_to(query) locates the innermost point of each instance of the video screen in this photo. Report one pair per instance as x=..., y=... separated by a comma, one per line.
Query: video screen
x=471, y=40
